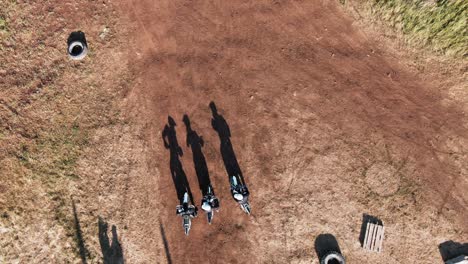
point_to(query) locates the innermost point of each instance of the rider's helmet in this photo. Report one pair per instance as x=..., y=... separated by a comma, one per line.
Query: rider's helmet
x=238, y=196
x=206, y=206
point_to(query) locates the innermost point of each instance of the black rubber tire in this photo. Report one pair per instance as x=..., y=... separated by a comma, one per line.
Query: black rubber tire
x=77, y=46
x=333, y=258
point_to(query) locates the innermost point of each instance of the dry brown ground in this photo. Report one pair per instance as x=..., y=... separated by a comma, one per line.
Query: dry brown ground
x=50, y=111
x=313, y=105
x=316, y=107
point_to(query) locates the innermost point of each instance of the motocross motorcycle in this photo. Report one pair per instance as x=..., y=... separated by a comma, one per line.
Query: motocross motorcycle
x=240, y=193
x=210, y=203
x=187, y=211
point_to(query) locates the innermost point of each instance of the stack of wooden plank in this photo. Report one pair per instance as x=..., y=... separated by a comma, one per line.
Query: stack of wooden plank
x=374, y=237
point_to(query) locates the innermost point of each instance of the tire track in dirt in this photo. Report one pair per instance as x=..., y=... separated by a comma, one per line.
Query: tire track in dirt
x=284, y=74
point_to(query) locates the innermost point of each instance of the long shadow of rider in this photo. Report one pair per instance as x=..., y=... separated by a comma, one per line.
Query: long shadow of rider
x=79, y=235
x=111, y=252
x=178, y=175
x=196, y=143
x=227, y=152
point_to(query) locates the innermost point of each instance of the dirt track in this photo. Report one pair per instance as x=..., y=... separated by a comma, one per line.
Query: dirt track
x=313, y=107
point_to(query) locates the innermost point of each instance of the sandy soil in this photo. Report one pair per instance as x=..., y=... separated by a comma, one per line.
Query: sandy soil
x=325, y=124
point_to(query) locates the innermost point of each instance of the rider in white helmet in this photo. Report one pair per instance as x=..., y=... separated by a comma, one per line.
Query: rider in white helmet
x=239, y=197
x=206, y=206
x=209, y=203
x=240, y=194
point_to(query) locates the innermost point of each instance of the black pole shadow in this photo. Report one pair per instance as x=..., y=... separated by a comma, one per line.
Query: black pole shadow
x=166, y=244
x=367, y=219
x=196, y=143
x=79, y=235
x=450, y=249
x=178, y=174
x=111, y=251
x=227, y=152
x=324, y=244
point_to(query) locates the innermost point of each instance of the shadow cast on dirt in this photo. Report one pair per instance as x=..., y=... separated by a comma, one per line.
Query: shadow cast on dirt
x=166, y=244
x=178, y=174
x=450, y=249
x=326, y=243
x=220, y=125
x=196, y=143
x=79, y=236
x=111, y=251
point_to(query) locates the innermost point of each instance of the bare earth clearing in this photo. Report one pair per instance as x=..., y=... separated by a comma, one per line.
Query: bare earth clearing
x=326, y=127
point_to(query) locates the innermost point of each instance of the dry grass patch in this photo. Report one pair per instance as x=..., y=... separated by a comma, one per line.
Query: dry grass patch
x=49, y=107
x=437, y=25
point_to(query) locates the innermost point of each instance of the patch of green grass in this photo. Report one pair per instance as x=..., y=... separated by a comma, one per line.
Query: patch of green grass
x=23, y=155
x=3, y=24
x=440, y=25
x=59, y=151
